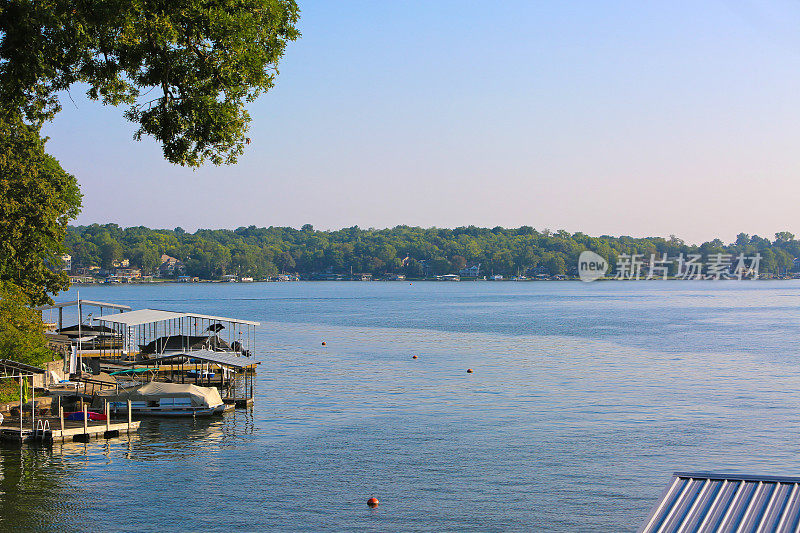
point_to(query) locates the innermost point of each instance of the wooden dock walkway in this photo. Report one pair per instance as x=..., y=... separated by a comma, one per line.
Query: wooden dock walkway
x=69, y=434
x=49, y=429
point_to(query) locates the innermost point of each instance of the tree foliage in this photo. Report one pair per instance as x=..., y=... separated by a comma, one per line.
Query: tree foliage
x=413, y=251
x=21, y=328
x=37, y=200
x=184, y=68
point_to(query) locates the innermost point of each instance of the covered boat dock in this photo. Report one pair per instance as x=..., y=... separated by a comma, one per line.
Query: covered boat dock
x=197, y=367
x=149, y=333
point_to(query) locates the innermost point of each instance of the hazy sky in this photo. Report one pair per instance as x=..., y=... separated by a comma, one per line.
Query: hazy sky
x=636, y=118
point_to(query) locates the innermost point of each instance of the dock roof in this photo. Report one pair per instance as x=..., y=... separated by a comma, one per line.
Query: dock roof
x=221, y=358
x=224, y=319
x=5, y=364
x=726, y=502
x=148, y=316
x=59, y=305
x=140, y=316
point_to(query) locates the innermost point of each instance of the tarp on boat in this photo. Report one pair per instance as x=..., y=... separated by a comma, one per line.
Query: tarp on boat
x=84, y=330
x=184, y=342
x=155, y=390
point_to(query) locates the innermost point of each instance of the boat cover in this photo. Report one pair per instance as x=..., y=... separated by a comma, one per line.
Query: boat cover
x=181, y=342
x=155, y=390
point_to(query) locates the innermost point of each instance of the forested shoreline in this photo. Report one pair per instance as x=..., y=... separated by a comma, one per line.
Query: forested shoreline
x=411, y=251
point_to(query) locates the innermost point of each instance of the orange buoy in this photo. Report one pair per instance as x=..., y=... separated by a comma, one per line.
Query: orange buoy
x=323, y=343
x=373, y=502
x=413, y=357
x=469, y=371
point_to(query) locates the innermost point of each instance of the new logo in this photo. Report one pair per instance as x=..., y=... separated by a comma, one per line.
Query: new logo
x=591, y=266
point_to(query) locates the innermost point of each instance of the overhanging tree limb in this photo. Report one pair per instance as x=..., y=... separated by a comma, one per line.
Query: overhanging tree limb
x=208, y=57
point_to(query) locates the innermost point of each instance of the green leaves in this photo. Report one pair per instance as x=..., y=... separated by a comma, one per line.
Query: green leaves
x=37, y=200
x=184, y=68
x=21, y=328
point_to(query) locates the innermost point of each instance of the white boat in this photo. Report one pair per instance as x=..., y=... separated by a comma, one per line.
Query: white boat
x=166, y=399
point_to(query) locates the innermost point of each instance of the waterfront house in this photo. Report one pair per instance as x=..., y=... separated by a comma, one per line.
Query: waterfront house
x=472, y=271
x=170, y=266
x=93, y=270
x=128, y=273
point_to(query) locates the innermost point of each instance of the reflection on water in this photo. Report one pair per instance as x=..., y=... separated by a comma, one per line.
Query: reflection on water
x=29, y=477
x=583, y=401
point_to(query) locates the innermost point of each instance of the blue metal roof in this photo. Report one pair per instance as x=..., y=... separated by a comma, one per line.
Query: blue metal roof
x=723, y=502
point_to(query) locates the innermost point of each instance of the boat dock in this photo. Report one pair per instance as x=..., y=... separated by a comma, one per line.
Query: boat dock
x=49, y=429
x=116, y=356
x=239, y=402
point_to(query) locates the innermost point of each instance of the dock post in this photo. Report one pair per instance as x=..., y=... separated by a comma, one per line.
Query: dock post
x=61, y=417
x=33, y=406
x=85, y=421
x=129, y=417
x=108, y=416
x=20, y=406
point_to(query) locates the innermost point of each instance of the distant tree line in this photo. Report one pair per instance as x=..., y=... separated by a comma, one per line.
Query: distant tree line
x=412, y=251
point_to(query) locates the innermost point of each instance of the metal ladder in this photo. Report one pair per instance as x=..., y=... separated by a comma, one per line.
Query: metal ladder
x=42, y=426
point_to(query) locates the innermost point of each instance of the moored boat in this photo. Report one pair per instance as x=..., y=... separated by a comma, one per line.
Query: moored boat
x=166, y=399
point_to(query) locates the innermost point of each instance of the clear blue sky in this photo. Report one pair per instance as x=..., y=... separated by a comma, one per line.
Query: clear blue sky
x=637, y=118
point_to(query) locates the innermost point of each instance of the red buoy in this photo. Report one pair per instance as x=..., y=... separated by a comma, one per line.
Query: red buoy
x=373, y=502
x=323, y=343
x=469, y=371
x=413, y=357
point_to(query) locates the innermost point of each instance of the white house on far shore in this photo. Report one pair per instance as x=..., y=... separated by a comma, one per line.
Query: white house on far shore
x=471, y=271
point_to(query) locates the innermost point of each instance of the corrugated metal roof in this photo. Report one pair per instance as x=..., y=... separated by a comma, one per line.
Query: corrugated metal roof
x=222, y=358
x=147, y=316
x=139, y=317
x=723, y=502
x=224, y=319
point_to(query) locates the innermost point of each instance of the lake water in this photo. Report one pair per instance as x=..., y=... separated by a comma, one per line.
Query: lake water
x=584, y=399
